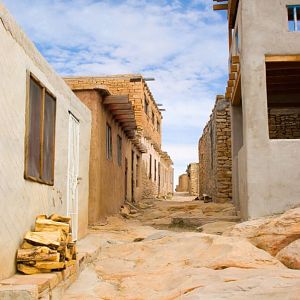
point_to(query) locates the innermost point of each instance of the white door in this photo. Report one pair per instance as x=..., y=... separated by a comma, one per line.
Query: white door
x=73, y=171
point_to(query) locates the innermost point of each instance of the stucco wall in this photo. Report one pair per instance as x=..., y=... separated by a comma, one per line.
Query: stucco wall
x=271, y=168
x=20, y=199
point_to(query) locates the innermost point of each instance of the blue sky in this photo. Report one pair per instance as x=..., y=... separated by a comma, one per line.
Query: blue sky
x=182, y=44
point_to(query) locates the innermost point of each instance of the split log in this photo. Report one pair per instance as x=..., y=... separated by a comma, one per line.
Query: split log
x=26, y=245
x=50, y=239
x=49, y=225
x=58, y=218
x=49, y=265
x=37, y=254
x=28, y=270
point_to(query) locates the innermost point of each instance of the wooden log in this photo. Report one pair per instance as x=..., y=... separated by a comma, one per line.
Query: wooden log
x=58, y=218
x=28, y=270
x=49, y=225
x=37, y=254
x=49, y=265
x=26, y=245
x=50, y=239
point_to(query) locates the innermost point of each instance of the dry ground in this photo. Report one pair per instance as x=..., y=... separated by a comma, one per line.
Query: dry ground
x=139, y=260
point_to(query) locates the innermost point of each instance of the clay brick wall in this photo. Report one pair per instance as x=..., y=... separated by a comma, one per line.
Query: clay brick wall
x=284, y=123
x=215, y=164
x=193, y=179
x=183, y=183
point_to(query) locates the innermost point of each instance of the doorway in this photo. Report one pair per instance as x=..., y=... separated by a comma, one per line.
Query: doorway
x=73, y=172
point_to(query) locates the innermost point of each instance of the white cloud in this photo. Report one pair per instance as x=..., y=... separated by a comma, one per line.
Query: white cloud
x=182, y=45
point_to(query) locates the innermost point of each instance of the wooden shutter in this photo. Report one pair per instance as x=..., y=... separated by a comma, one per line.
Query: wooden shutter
x=49, y=139
x=34, y=130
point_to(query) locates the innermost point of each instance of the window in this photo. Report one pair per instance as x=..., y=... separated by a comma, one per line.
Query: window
x=40, y=133
x=108, y=142
x=119, y=147
x=294, y=17
x=150, y=167
x=146, y=105
x=155, y=170
x=153, y=118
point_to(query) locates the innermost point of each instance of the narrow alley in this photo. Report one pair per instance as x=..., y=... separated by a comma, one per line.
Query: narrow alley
x=129, y=259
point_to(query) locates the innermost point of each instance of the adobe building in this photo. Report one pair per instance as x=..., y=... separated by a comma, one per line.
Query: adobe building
x=215, y=165
x=115, y=151
x=193, y=179
x=183, y=183
x=148, y=118
x=264, y=90
x=44, y=145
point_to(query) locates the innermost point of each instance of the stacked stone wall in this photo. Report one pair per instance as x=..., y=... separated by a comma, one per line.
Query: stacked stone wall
x=284, y=123
x=183, y=183
x=193, y=175
x=215, y=163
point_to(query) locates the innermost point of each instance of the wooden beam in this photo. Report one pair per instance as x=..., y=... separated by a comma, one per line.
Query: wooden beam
x=282, y=58
x=116, y=99
x=234, y=68
x=220, y=6
x=235, y=59
x=230, y=83
x=237, y=93
x=121, y=106
x=232, y=76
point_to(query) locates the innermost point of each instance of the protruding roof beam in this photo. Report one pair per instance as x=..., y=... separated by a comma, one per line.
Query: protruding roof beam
x=120, y=99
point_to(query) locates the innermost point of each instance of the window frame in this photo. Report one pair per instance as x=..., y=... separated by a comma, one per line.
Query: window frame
x=108, y=138
x=30, y=76
x=295, y=20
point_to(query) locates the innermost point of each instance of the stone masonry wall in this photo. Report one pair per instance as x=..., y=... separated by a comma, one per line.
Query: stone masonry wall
x=215, y=162
x=284, y=123
x=183, y=183
x=193, y=174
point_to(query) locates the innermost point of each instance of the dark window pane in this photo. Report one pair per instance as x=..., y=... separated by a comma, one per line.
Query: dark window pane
x=34, y=140
x=49, y=138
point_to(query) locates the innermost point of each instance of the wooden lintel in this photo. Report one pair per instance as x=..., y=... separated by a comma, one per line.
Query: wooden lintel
x=119, y=99
x=220, y=6
x=282, y=58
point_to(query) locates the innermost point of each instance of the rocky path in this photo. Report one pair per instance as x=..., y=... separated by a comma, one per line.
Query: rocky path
x=137, y=261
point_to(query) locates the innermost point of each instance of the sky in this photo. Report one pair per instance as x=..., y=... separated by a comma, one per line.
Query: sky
x=182, y=44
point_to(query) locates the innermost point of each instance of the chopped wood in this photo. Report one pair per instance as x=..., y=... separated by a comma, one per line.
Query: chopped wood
x=51, y=239
x=50, y=225
x=58, y=218
x=27, y=269
x=49, y=265
x=26, y=245
x=37, y=254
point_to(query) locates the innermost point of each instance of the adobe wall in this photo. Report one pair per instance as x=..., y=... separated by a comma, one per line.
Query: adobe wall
x=107, y=177
x=215, y=164
x=183, y=183
x=22, y=200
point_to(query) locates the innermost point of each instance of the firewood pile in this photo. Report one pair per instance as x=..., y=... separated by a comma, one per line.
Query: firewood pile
x=49, y=247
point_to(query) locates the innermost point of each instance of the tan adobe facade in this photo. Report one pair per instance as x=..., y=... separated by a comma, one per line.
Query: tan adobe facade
x=193, y=179
x=215, y=165
x=264, y=92
x=114, y=177
x=53, y=188
x=183, y=183
x=148, y=118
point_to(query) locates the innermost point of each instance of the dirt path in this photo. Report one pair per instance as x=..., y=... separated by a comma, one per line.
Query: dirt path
x=138, y=261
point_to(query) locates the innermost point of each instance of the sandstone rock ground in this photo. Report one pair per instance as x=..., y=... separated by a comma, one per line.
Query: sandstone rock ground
x=136, y=261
